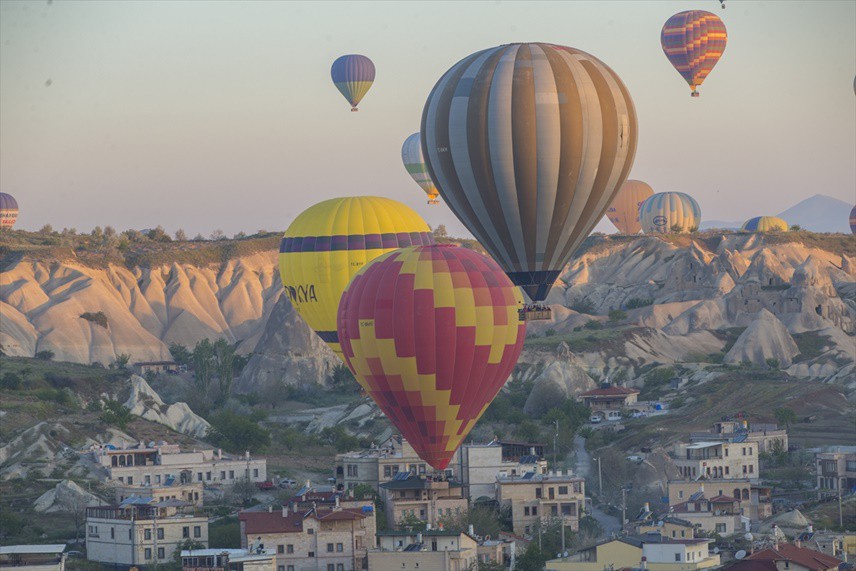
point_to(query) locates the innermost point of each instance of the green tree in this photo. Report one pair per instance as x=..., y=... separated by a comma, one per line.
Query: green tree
x=528, y=431
x=115, y=414
x=121, y=361
x=45, y=355
x=180, y=235
x=772, y=363
x=224, y=357
x=203, y=364
x=617, y=315
x=236, y=432
x=440, y=231
x=180, y=354
x=410, y=522
x=785, y=416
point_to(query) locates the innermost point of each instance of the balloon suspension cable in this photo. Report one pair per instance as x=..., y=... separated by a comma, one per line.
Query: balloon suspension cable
x=535, y=312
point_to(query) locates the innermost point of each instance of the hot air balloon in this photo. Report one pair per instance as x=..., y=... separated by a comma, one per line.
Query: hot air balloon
x=528, y=144
x=694, y=41
x=432, y=333
x=668, y=212
x=853, y=220
x=329, y=242
x=411, y=155
x=8, y=211
x=353, y=75
x=765, y=224
x=624, y=210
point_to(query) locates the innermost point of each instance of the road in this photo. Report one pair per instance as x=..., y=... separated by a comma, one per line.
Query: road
x=583, y=466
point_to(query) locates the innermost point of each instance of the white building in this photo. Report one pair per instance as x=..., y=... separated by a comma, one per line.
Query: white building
x=717, y=460
x=139, y=533
x=33, y=557
x=481, y=464
x=222, y=559
x=157, y=464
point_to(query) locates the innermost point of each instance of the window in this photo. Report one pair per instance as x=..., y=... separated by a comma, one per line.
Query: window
x=130, y=480
x=197, y=531
x=387, y=471
x=563, y=490
x=534, y=510
x=311, y=531
x=331, y=567
x=744, y=469
x=129, y=534
x=329, y=548
x=160, y=533
x=421, y=468
x=851, y=466
x=677, y=556
x=198, y=476
x=222, y=474
x=281, y=567
x=311, y=554
x=681, y=494
x=340, y=547
x=751, y=469
x=231, y=474
x=750, y=451
x=526, y=510
x=552, y=493
x=720, y=528
x=289, y=548
x=527, y=530
x=147, y=535
x=353, y=471
x=554, y=510
x=290, y=568
x=208, y=476
x=148, y=479
x=161, y=553
x=537, y=493
x=280, y=549
x=727, y=470
x=340, y=567
x=185, y=531
x=147, y=553
x=673, y=533
x=157, y=479
x=683, y=533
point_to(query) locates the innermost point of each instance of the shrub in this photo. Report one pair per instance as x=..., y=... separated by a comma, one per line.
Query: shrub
x=583, y=306
x=617, y=315
x=772, y=363
x=636, y=302
x=115, y=414
x=10, y=381
x=237, y=433
x=45, y=355
x=550, y=333
x=593, y=324
x=97, y=318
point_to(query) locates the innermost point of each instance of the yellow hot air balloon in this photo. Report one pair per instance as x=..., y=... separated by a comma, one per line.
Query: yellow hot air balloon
x=765, y=224
x=329, y=242
x=624, y=210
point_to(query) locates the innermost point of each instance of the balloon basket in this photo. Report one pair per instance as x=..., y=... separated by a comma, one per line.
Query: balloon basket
x=535, y=313
x=694, y=94
x=433, y=201
x=354, y=109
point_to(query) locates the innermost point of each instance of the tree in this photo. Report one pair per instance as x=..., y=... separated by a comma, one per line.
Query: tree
x=528, y=431
x=441, y=232
x=617, y=315
x=240, y=235
x=785, y=416
x=121, y=361
x=114, y=414
x=410, y=522
x=203, y=364
x=180, y=354
x=199, y=238
x=46, y=229
x=218, y=235
x=796, y=228
x=159, y=235
x=224, y=357
x=772, y=362
x=180, y=235
x=44, y=355
x=75, y=505
x=236, y=432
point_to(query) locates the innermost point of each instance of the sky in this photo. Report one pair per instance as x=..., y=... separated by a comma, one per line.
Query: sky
x=220, y=115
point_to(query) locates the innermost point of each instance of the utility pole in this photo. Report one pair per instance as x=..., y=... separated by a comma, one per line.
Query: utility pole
x=623, y=506
x=556, y=446
x=840, y=513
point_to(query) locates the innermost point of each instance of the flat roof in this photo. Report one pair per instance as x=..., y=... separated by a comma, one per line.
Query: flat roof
x=699, y=445
x=29, y=549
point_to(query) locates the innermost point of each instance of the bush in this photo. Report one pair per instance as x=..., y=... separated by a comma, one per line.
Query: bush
x=114, y=414
x=583, y=306
x=121, y=361
x=54, y=395
x=98, y=318
x=237, y=433
x=772, y=363
x=617, y=315
x=45, y=355
x=593, y=324
x=637, y=302
x=550, y=333
x=10, y=381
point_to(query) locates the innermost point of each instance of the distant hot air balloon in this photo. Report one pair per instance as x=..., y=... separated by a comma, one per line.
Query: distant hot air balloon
x=8, y=211
x=694, y=41
x=853, y=220
x=329, y=242
x=411, y=155
x=432, y=333
x=765, y=224
x=668, y=212
x=722, y=3
x=624, y=210
x=528, y=144
x=353, y=75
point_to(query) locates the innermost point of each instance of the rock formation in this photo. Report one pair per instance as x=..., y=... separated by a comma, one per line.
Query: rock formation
x=766, y=339
x=66, y=497
x=146, y=403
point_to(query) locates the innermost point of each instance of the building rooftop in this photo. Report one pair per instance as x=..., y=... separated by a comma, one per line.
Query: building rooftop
x=700, y=445
x=809, y=558
x=54, y=548
x=610, y=392
x=533, y=478
x=256, y=522
x=410, y=481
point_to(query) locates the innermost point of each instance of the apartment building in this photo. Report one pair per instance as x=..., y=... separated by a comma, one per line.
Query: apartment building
x=325, y=539
x=532, y=497
x=480, y=464
x=382, y=463
x=719, y=514
x=836, y=470
x=768, y=436
x=141, y=532
x=717, y=460
x=756, y=500
x=425, y=498
x=669, y=527
x=432, y=549
x=226, y=559
x=649, y=551
x=169, y=490
x=155, y=464
x=609, y=398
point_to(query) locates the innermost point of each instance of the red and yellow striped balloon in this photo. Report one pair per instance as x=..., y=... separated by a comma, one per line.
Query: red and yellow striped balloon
x=432, y=333
x=694, y=41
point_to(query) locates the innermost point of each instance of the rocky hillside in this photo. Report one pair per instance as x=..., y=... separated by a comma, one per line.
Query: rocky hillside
x=786, y=301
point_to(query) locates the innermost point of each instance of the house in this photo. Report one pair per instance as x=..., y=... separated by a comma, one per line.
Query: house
x=425, y=498
x=170, y=489
x=836, y=470
x=609, y=398
x=837, y=544
x=157, y=463
x=756, y=500
x=768, y=436
x=717, y=460
x=382, y=463
x=720, y=514
x=649, y=551
x=432, y=549
x=787, y=556
x=328, y=539
x=141, y=532
x=225, y=559
x=480, y=464
x=157, y=367
x=669, y=527
x=533, y=497
x=33, y=557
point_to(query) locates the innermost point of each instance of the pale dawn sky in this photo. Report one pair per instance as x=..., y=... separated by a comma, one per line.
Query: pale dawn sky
x=219, y=115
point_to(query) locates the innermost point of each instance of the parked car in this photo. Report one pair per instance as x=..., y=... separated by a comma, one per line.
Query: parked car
x=595, y=419
x=635, y=459
x=268, y=485
x=613, y=415
x=287, y=483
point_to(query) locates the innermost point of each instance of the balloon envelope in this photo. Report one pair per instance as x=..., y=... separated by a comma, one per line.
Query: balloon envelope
x=528, y=144
x=624, y=210
x=353, y=75
x=411, y=156
x=667, y=212
x=853, y=220
x=693, y=41
x=765, y=224
x=329, y=242
x=432, y=333
x=8, y=210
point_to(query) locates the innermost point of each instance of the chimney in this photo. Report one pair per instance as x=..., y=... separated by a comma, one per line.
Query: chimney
x=810, y=528
x=270, y=508
x=419, y=537
x=647, y=507
x=219, y=453
x=427, y=527
x=284, y=510
x=337, y=502
x=246, y=454
x=644, y=563
x=471, y=530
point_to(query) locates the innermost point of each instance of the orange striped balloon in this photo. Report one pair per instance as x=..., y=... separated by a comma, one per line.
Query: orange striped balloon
x=694, y=41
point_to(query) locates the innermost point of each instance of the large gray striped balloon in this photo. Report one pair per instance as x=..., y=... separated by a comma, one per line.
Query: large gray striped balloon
x=528, y=144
